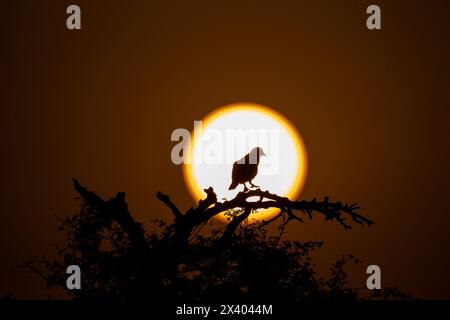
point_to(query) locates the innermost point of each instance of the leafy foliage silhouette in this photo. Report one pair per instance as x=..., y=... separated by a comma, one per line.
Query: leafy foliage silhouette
x=195, y=259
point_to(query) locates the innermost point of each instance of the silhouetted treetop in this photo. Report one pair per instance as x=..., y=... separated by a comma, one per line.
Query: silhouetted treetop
x=121, y=260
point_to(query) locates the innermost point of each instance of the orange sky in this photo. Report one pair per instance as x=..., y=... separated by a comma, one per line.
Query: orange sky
x=100, y=104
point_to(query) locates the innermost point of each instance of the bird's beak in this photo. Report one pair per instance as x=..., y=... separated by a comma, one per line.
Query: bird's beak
x=263, y=154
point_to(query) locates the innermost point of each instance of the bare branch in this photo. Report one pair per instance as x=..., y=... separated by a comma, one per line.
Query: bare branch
x=209, y=207
x=330, y=210
x=166, y=200
x=234, y=224
x=117, y=209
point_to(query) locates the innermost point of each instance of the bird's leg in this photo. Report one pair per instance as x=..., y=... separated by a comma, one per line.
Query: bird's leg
x=254, y=186
x=245, y=187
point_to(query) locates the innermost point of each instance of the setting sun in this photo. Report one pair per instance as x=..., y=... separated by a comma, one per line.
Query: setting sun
x=228, y=134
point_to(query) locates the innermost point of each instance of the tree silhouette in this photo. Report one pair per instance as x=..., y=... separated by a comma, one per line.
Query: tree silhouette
x=194, y=259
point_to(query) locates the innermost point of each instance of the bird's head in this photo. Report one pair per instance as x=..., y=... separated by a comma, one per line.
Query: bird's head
x=259, y=152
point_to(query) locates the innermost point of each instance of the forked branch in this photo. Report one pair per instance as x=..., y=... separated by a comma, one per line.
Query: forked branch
x=209, y=207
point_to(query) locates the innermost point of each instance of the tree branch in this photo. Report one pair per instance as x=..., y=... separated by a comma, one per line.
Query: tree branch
x=328, y=209
x=234, y=224
x=166, y=200
x=117, y=209
x=209, y=207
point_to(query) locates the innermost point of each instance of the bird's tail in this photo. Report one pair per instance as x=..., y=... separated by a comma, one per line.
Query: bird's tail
x=233, y=185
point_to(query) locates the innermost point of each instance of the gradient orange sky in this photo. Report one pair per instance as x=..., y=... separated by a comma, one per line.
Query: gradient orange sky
x=100, y=104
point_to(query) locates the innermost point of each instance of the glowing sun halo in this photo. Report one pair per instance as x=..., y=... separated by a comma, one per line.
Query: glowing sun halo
x=228, y=134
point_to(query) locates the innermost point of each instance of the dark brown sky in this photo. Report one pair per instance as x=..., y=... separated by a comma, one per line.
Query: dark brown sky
x=99, y=104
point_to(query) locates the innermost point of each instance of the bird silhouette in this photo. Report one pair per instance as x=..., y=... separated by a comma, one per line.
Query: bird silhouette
x=246, y=168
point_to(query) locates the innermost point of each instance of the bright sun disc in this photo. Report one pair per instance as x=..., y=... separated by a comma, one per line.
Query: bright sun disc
x=228, y=134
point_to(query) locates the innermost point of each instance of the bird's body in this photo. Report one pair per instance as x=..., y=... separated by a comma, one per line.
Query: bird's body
x=246, y=168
